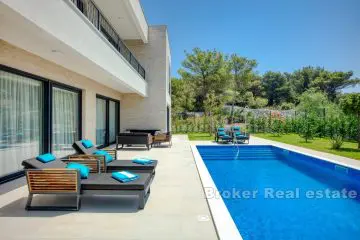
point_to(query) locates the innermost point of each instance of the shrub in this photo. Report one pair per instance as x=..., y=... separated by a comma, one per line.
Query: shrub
x=336, y=141
x=307, y=127
x=277, y=127
x=336, y=130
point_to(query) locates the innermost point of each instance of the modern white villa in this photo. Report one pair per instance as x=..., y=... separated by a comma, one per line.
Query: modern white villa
x=72, y=69
x=84, y=86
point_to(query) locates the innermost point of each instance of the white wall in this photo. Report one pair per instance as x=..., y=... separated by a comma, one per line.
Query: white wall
x=149, y=112
x=41, y=27
x=17, y=58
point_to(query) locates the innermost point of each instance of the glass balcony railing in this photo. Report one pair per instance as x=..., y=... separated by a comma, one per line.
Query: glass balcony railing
x=89, y=9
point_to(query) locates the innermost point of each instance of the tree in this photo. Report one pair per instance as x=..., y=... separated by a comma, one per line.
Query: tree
x=182, y=95
x=255, y=85
x=277, y=88
x=241, y=69
x=307, y=126
x=331, y=82
x=312, y=101
x=212, y=106
x=208, y=71
x=302, y=79
x=350, y=103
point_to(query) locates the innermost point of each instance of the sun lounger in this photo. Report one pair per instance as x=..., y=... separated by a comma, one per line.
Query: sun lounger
x=67, y=182
x=115, y=165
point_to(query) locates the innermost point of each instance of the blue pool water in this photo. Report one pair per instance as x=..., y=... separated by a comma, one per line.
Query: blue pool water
x=261, y=214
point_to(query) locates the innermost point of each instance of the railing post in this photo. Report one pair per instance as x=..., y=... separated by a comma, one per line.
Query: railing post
x=98, y=17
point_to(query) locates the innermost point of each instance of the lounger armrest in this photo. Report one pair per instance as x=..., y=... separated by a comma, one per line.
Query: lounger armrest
x=112, y=152
x=53, y=180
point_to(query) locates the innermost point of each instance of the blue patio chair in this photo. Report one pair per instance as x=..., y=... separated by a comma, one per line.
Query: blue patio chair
x=238, y=135
x=221, y=135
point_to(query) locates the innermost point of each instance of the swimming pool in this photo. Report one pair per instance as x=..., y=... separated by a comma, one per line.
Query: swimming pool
x=272, y=193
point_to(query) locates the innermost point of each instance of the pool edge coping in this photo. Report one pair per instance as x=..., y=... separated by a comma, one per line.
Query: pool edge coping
x=224, y=223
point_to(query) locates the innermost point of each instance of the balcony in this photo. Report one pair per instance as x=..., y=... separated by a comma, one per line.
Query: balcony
x=61, y=33
x=89, y=9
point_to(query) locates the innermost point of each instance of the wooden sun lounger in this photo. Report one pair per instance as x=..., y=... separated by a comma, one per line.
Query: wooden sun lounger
x=68, y=182
x=116, y=165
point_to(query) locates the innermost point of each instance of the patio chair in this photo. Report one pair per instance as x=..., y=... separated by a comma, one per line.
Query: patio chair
x=238, y=135
x=221, y=135
x=68, y=182
x=162, y=138
x=115, y=165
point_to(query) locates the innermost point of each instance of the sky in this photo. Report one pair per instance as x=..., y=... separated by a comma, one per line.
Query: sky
x=282, y=35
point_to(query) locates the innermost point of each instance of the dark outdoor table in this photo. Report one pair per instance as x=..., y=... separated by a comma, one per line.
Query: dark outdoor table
x=151, y=131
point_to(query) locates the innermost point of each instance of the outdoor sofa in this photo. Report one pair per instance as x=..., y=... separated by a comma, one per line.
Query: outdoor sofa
x=134, y=138
x=45, y=179
x=115, y=165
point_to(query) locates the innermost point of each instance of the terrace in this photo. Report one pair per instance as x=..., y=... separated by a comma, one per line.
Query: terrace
x=177, y=207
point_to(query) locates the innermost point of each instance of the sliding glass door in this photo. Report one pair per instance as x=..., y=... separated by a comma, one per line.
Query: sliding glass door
x=65, y=120
x=113, y=119
x=21, y=114
x=100, y=122
x=107, y=121
x=36, y=116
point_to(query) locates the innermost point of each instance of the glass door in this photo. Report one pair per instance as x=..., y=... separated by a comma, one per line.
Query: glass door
x=100, y=122
x=65, y=121
x=21, y=115
x=107, y=121
x=113, y=119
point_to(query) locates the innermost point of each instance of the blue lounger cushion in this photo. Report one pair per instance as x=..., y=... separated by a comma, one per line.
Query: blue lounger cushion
x=108, y=157
x=45, y=158
x=124, y=176
x=241, y=136
x=221, y=133
x=87, y=143
x=221, y=129
x=236, y=128
x=83, y=169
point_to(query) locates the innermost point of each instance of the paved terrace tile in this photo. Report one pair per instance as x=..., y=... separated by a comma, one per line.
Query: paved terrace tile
x=176, y=209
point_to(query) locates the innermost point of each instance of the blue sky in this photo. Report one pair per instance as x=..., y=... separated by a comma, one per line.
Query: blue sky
x=282, y=35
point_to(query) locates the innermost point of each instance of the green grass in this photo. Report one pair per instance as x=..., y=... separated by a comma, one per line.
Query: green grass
x=348, y=149
x=200, y=136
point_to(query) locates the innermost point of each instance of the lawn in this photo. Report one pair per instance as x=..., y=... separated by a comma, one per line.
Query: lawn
x=200, y=136
x=348, y=149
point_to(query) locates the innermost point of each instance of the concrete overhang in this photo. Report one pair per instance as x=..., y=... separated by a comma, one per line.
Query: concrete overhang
x=127, y=17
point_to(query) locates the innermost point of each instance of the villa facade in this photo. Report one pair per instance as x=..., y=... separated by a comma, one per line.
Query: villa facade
x=72, y=69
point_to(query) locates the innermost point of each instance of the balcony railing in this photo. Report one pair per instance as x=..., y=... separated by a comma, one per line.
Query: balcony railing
x=88, y=8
